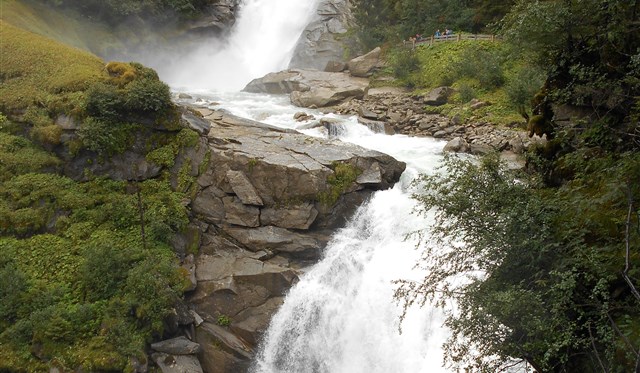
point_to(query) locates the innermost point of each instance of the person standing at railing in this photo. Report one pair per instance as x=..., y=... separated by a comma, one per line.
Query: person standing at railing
x=437, y=34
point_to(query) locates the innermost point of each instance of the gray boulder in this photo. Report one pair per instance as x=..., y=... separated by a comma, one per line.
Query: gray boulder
x=177, y=346
x=438, y=96
x=216, y=18
x=457, y=145
x=311, y=88
x=335, y=67
x=177, y=363
x=365, y=66
x=323, y=40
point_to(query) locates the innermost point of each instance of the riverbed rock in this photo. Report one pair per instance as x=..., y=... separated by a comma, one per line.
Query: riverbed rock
x=311, y=88
x=457, y=145
x=223, y=351
x=177, y=363
x=177, y=346
x=365, y=65
x=265, y=207
x=335, y=67
x=438, y=96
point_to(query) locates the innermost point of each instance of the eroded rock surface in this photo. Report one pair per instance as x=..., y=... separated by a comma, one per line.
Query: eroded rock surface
x=264, y=209
x=311, y=88
x=323, y=41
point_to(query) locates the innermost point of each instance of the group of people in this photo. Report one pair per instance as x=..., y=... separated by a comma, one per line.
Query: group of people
x=415, y=38
x=446, y=32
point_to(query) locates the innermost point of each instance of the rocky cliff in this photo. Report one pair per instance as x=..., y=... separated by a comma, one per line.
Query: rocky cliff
x=326, y=38
x=266, y=204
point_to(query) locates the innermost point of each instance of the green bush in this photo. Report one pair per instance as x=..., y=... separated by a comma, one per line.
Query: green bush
x=147, y=95
x=343, y=177
x=404, y=63
x=224, y=320
x=523, y=84
x=482, y=64
x=466, y=92
x=543, y=272
x=106, y=137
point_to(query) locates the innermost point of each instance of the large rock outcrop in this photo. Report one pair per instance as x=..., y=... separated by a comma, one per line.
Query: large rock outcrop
x=216, y=17
x=308, y=88
x=323, y=40
x=265, y=205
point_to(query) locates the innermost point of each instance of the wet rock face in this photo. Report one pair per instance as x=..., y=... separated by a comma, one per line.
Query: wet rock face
x=216, y=17
x=323, y=42
x=260, y=215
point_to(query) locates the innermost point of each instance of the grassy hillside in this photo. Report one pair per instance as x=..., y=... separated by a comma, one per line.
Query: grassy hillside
x=485, y=71
x=35, y=70
x=81, y=286
x=69, y=28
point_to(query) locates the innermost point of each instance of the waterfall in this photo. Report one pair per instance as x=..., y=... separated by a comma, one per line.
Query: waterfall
x=262, y=41
x=341, y=317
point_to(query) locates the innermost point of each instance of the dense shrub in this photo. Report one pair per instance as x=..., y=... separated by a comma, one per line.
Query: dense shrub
x=523, y=84
x=80, y=280
x=113, y=11
x=543, y=268
x=106, y=137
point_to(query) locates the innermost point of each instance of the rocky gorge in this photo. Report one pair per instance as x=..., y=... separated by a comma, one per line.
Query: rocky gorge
x=261, y=214
x=266, y=203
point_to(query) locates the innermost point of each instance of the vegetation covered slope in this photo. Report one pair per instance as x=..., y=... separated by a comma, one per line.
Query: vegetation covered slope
x=83, y=286
x=550, y=255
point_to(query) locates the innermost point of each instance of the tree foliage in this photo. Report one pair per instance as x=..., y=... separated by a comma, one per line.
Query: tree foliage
x=115, y=10
x=589, y=49
x=536, y=272
x=380, y=21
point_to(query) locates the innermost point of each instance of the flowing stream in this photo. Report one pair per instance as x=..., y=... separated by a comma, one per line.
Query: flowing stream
x=340, y=317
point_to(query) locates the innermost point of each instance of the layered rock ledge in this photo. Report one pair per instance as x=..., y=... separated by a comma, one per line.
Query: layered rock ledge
x=267, y=200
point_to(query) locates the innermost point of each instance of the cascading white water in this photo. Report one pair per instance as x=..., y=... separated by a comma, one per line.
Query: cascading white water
x=341, y=316
x=262, y=41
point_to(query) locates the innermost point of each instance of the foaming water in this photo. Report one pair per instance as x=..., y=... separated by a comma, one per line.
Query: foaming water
x=341, y=317
x=262, y=41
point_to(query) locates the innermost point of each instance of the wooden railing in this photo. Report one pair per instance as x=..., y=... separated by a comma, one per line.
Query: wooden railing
x=448, y=38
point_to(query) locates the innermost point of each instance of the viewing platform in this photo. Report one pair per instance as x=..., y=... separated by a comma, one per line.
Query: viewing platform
x=450, y=38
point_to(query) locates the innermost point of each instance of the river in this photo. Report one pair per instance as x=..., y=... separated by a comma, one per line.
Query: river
x=341, y=316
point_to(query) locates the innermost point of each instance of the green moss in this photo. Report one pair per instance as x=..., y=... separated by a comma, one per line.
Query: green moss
x=20, y=156
x=343, y=177
x=166, y=155
x=163, y=156
x=202, y=167
x=193, y=236
x=251, y=163
x=106, y=137
x=224, y=320
x=185, y=180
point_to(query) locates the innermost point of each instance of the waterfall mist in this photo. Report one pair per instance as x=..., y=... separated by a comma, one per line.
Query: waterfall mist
x=261, y=41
